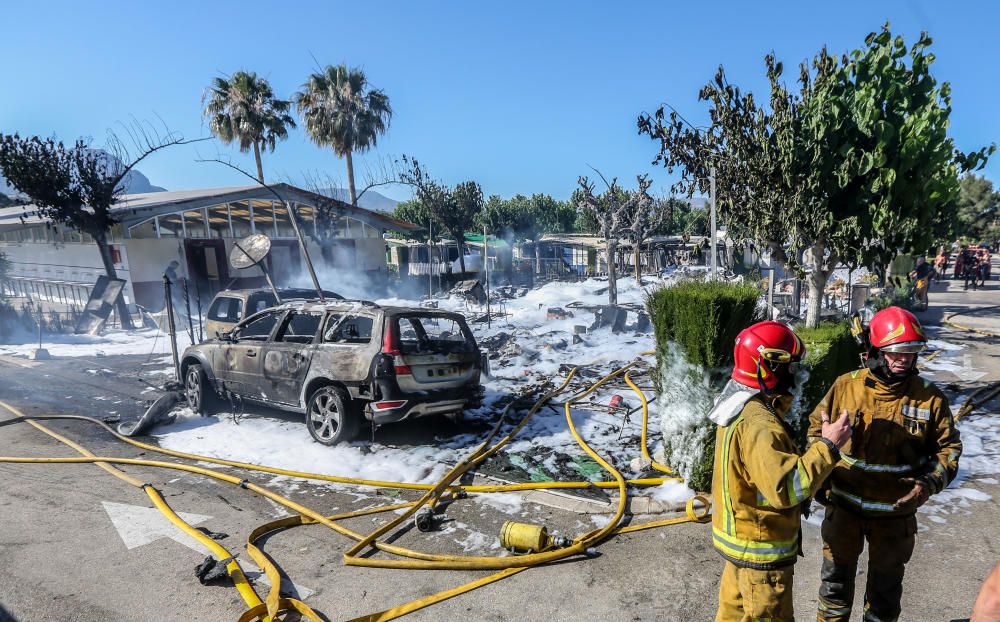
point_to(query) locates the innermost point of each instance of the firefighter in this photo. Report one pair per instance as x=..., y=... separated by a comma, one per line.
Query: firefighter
x=904, y=448
x=760, y=478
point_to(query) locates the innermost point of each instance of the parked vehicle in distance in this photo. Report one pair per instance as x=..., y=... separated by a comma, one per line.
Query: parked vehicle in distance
x=340, y=362
x=232, y=305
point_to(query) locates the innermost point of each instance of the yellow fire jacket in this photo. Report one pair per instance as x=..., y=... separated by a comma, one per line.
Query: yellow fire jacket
x=759, y=481
x=900, y=431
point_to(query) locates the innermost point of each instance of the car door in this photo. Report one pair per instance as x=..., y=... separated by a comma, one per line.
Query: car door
x=346, y=347
x=288, y=354
x=240, y=365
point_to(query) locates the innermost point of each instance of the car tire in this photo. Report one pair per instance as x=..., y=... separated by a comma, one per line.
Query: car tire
x=331, y=417
x=198, y=391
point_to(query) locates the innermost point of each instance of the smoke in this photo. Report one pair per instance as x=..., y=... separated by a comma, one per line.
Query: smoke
x=342, y=277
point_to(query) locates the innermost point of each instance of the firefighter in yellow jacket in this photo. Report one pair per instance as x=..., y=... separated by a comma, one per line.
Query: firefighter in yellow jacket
x=760, y=479
x=904, y=448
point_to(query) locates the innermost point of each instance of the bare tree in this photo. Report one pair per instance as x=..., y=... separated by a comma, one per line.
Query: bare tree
x=614, y=211
x=648, y=216
x=78, y=186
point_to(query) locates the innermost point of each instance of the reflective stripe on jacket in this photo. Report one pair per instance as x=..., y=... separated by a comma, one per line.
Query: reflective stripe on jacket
x=900, y=431
x=759, y=481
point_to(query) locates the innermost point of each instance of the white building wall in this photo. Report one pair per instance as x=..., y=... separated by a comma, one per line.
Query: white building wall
x=70, y=261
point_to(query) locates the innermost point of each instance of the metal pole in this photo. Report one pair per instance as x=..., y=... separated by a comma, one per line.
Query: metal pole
x=430, y=271
x=770, y=292
x=170, y=327
x=305, y=253
x=715, y=259
x=486, y=267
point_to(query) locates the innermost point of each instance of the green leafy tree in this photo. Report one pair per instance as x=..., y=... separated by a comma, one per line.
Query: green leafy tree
x=413, y=211
x=853, y=168
x=341, y=110
x=78, y=186
x=455, y=209
x=244, y=110
x=977, y=209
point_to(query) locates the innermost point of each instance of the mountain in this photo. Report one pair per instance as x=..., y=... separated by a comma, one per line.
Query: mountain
x=135, y=183
x=369, y=200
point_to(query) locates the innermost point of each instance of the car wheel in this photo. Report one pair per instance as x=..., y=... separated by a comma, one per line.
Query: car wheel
x=197, y=391
x=331, y=417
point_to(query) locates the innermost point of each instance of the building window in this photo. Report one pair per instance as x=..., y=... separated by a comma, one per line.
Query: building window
x=240, y=214
x=218, y=221
x=171, y=226
x=143, y=230
x=194, y=224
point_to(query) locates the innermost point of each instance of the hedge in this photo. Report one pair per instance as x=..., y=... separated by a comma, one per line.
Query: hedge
x=830, y=352
x=703, y=318
x=695, y=325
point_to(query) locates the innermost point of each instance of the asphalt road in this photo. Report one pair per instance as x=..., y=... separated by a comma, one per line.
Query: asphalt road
x=63, y=559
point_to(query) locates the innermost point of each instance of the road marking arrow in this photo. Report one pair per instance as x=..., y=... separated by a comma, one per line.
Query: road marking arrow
x=139, y=525
x=968, y=373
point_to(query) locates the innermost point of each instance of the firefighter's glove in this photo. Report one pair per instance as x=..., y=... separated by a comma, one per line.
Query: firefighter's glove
x=917, y=496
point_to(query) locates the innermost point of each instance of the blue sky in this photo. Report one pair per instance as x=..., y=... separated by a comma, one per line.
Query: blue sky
x=522, y=97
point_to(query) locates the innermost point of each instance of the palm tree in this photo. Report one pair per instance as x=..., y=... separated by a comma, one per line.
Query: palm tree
x=244, y=109
x=341, y=110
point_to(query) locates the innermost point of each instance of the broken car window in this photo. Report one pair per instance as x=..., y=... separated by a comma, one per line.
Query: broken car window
x=260, y=328
x=432, y=334
x=299, y=328
x=356, y=329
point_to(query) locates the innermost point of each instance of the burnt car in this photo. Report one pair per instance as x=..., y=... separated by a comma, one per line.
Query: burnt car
x=340, y=363
x=232, y=305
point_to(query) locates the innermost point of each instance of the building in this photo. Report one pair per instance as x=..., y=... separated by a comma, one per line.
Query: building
x=196, y=228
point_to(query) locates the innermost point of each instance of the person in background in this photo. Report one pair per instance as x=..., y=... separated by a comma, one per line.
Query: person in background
x=904, y=448
x=921, y=276
x=761, y=480
x=940, y=265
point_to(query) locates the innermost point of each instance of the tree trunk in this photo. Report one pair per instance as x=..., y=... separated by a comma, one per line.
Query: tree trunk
x=461, y=253
x=538, y=257
x=638, y=272
x=817, y=282
x=612, y=273
x=350, y=179
x=109, y=268
x=260, y=168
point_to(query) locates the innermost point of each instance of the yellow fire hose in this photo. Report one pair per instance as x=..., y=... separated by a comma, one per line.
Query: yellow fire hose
x=662, y=468
x=434, y=494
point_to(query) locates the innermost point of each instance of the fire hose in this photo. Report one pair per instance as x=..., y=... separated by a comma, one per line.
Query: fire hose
x=443, y=491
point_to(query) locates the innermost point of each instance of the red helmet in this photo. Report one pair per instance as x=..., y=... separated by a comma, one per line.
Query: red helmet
x=760, y=348
x=896, y=330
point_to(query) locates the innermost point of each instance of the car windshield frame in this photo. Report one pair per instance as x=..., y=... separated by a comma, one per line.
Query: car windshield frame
x=437, y=346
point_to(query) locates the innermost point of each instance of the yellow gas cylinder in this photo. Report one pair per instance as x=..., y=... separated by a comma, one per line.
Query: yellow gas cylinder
x=527, y=538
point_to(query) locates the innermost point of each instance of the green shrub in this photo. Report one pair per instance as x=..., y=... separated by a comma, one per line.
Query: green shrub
x=703, y=318
x=830, y=352
x=695, y=324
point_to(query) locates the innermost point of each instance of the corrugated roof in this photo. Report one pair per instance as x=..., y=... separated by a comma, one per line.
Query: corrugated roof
x=147, y=201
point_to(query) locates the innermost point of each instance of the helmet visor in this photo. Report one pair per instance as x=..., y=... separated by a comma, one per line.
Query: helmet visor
x=907, y=347
x=776, y=355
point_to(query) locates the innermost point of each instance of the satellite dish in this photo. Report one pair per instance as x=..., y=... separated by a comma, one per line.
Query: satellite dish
x=249, y=251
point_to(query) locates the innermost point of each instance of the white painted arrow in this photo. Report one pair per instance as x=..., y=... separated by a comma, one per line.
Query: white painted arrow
x=139, y=525
x=968, y=373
